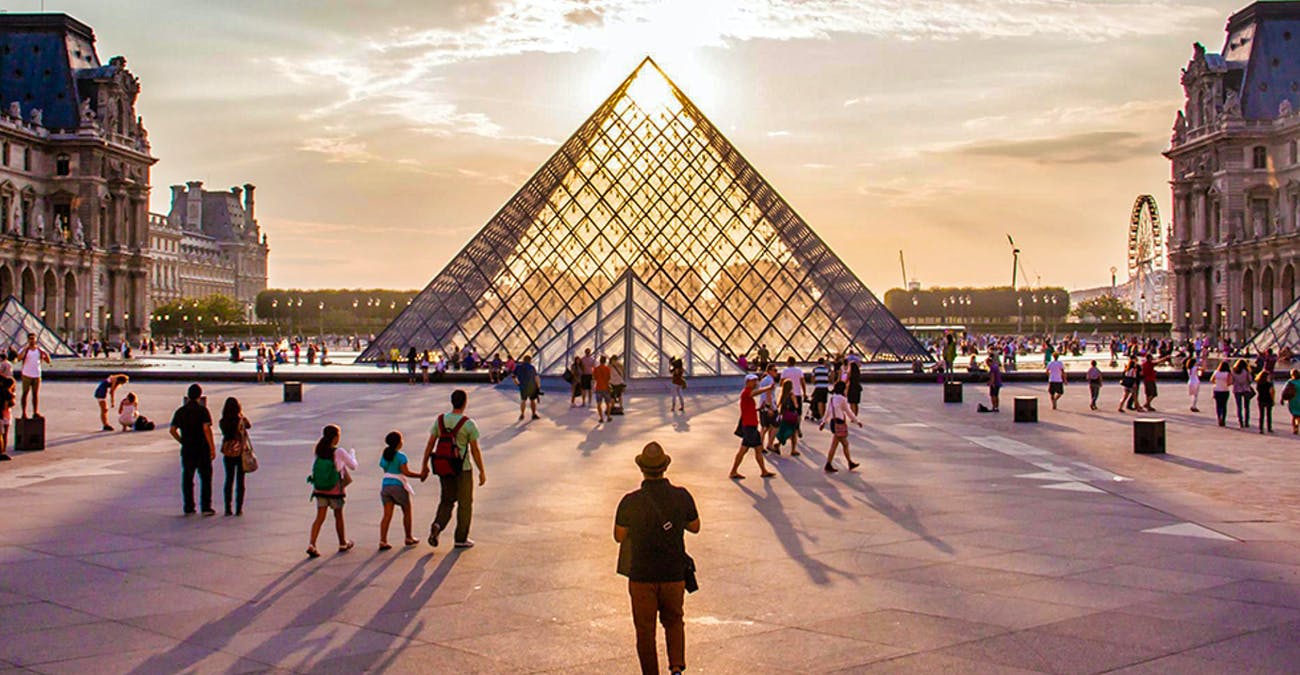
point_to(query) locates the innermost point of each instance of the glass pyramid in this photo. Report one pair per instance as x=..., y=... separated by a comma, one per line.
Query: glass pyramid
x=648, y=184
x=630, y=319
x=16, y=321
x=1282, y=331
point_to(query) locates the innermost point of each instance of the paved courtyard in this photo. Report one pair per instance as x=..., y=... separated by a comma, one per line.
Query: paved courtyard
x=964, y=544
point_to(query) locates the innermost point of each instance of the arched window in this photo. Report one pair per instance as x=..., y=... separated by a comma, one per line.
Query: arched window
x=1259, y=157
x=27, y=159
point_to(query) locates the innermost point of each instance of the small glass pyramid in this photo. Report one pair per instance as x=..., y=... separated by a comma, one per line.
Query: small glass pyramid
x=1282, y=331
x=647, y=184
x=631, y=321
x=16, y=321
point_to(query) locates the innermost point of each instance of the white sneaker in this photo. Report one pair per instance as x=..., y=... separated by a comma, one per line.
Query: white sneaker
x=468, y=543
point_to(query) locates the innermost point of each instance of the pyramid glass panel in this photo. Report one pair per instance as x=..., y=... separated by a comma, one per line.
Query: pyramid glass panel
x=16, y=322
x=1282, y=331
x=648, y=184
x=632, y=322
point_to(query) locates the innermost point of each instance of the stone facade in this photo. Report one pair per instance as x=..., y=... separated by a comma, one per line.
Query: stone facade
x=74, y=180
x=209, y=242
x=1235, y=238
x=78, y=245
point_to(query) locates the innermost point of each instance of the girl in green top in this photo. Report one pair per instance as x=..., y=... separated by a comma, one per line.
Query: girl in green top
x=1293, y=401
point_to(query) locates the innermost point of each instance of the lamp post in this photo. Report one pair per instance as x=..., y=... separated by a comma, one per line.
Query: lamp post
x=1020, y=316
x=320, y=315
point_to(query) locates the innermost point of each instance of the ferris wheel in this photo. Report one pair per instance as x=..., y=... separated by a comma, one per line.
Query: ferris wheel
x=1146, y=255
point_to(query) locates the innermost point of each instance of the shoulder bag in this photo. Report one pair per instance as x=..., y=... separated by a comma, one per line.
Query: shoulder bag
x=248, y=458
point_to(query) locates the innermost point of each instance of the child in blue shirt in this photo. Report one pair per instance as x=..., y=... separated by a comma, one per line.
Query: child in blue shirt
x=395, y=489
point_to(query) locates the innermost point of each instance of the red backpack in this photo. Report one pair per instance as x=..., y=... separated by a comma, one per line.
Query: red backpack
x=448, y=460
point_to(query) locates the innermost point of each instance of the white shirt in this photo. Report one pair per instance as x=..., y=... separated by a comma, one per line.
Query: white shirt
x=1222, y=380
x=769, y=398
x=1056, y=371
x=795, y=375
x=838, y=408
x=32, y=362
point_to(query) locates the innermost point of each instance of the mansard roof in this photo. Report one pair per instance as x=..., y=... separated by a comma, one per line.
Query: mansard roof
x=39, y=55
x=1264, y=41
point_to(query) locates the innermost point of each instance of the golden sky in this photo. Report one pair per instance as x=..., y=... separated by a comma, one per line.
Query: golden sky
x=383, y=134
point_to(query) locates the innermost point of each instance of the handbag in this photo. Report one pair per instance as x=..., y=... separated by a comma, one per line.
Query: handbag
x=740, y=430
x=692, y=584
x=248, y=458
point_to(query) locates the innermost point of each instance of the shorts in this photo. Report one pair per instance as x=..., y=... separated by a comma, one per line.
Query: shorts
x=767, y=418
x=749, y=436
x=335, y=503
x=529, y=393
x=586, y=383
x=994, y=389
x=855, y=395
x=819, y=396
x=602, y=396
x=840, y=428
x=1056, y=387
x=394, y=494
x=1149, y=388
x=31, y=381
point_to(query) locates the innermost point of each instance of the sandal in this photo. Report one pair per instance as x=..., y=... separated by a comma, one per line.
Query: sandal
x=412, y=542
x=383, y=546
x=347, y=547
x=736, y=476
x=768, y=474
x=312, y=552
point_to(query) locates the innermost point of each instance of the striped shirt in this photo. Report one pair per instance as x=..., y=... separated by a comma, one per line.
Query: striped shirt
x=821, y=377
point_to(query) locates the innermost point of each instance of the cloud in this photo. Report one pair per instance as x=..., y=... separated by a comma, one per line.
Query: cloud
x=397, y=74
x=777, y=134
x=857, y=101
x=338, y=148
x=907, y=191
x=1082, y=148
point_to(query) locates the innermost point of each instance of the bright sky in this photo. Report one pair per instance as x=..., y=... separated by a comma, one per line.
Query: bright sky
x=382, y=135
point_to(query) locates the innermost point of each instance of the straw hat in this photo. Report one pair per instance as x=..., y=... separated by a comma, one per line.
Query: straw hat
x=653, y=458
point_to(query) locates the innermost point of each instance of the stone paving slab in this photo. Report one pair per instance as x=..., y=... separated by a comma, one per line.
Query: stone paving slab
x=966, y=543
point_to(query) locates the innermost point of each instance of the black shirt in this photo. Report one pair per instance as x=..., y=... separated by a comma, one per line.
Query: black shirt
x=655, y=517
x=189, y=419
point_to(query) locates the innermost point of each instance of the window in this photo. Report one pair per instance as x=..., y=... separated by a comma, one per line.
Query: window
x=6, y=153
x=1259, y=157
x=62, y=165
x=27, y=159
x=1295, y=152
x=1259, y=217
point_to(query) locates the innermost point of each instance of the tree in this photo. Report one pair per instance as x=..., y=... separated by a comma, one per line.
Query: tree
x=192, y=315
x=1103, y=307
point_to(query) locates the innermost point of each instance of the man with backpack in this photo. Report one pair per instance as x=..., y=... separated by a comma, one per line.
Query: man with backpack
x=453, y=442
x=649, y=525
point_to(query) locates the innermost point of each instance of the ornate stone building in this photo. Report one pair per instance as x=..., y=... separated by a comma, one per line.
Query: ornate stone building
x=209, y=242
x=74, y=180
x=1235, y=240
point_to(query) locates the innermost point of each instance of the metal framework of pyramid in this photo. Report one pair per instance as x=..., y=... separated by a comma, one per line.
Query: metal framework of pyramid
x=632, y=322
x=1282, y=331
x=648, y=184
x=16, y=321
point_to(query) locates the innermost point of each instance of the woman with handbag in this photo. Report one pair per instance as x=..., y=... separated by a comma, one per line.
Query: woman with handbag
x=234, y=443
x=787, y=407
x=838, y=415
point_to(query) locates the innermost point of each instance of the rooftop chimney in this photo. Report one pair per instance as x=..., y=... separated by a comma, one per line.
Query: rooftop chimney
x=248, y=202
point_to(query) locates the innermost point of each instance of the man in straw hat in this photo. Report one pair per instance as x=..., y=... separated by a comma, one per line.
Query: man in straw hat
x=649, y=526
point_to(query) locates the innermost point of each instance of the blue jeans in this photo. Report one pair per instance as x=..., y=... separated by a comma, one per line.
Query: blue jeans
x=1221, y=406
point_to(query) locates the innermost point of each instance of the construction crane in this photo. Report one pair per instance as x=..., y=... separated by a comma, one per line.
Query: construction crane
x=1015, y=263
x=904, y=266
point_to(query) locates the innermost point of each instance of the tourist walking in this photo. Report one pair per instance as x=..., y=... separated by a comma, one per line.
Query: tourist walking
x=787, y=407
x=677, y=375
x=453, y=443
x=575, y=381
x=32, y=356
x=1192, y=367
x=1264, y=398
x=261, y=364
x=1056, y=379
x=525, y=377
x=234, y=445
x=1129, y=382
x=106, y=397
x=838, y=415
x=995, y=378
x=767, y=417
x=1291, y=396
x=6, y=406
x=588, y=370
x=1242, y=391
x=1148, y=376
x=192, y=427
x=854, y=388
x=1094, y=384
x=821, y=383
x=747, y=429
x=395, y=489
x=330, y=476
x=1222, y=379
x=794, y=375
x=412, y=358
x=649, y=526
x=600, y=377
x=617, y=385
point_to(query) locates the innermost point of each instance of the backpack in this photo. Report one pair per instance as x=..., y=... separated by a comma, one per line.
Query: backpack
x=448, y=460
x=143, y=423
x=324, y=475
x=568, y=375
x=1288, y=392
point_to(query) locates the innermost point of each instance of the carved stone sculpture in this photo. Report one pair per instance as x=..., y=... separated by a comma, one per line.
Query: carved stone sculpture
x=37, y=115
x=1232, y=105
x=39, y=233
x=15, y=109
x=78, y=231
x=87, y=115
x=1284, y=108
